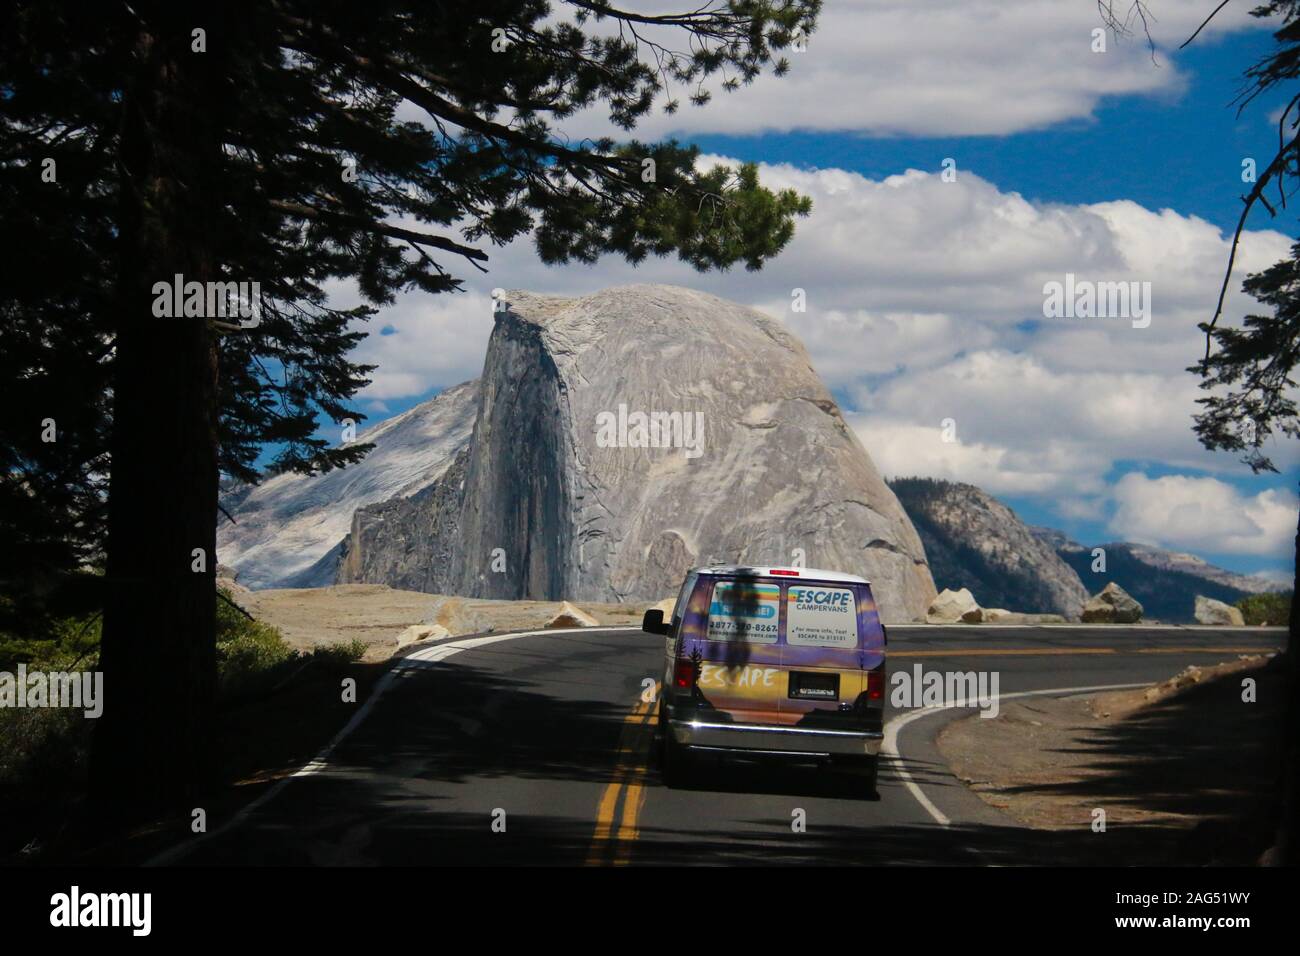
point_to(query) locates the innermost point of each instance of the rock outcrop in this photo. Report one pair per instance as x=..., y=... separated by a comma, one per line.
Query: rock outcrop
x=422, y=632
x=1112, y=605
x=287, y=530
x=972, y=540
x=570, y=616
x=626, y=436
x=949, y=607
x=1210, y=611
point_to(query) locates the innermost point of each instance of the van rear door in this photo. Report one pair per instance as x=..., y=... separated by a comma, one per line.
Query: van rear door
x=823, y=654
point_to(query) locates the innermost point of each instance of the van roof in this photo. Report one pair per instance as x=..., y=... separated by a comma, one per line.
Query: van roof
x=815, y=574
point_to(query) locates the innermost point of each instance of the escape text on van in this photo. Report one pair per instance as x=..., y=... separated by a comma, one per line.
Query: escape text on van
x=836, y=600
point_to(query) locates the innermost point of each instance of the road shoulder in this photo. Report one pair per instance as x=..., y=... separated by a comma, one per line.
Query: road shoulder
x=1183, y=771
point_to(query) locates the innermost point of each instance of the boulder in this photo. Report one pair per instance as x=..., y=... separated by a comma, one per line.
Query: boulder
x=422, y=632
x=1210, y=611
x=1112, y=605
x=952, y=606
x=570, y=616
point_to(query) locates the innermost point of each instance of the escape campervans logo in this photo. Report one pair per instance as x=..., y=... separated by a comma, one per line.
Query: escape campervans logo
x=209, y=300
x=835, y=600
x=624, y=429
x=1085, y=299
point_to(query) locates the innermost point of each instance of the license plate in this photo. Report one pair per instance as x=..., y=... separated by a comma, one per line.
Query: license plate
x=804, y=686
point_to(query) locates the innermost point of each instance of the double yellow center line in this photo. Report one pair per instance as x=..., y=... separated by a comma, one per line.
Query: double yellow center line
x=622, y=799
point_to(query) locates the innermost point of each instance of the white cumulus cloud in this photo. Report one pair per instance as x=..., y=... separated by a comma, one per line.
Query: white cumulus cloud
x=1204, y=513
x=946, y=68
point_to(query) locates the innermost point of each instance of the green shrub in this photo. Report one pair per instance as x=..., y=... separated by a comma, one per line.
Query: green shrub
x=68, y=644
x=252, y=657
x=43, y=752
x=340, y=655
x=1272, y=607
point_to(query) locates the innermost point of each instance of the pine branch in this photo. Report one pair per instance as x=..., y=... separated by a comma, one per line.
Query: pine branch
x=379, y=228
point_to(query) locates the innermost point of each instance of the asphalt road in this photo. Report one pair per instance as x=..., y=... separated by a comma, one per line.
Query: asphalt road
x=537, y=750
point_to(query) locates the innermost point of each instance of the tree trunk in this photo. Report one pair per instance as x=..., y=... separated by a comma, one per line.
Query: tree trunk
x=150, y=747
x=1288, y=844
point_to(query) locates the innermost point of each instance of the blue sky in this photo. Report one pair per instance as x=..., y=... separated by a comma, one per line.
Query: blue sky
x=1182, y=150
x=926, y=299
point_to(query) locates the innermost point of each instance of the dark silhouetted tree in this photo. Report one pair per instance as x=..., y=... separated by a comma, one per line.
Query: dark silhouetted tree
x=293, y=143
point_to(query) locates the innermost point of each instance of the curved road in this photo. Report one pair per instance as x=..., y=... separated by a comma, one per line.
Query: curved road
x=537, y=750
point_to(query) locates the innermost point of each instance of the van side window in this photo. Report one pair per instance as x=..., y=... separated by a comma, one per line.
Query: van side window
x=744, y=611
x=820, y=615
x=684, y=596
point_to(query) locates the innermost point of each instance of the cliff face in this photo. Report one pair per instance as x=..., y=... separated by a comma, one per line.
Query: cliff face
x=410, y=542
x=287, y=530
x=974, y=541
x=625, y=436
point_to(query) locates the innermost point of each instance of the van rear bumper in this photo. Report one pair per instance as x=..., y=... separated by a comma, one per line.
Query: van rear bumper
x=775, y=739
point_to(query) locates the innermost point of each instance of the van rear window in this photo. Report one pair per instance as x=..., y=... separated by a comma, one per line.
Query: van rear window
x=819, y=616
x=744, y=611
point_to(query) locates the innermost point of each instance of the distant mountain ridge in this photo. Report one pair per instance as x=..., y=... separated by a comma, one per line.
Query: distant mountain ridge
x=974, y=541
x=287, y=531
x=1165, y=582
x=1164, y=560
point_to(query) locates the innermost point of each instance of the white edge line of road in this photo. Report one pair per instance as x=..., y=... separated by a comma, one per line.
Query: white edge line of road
x=889, y=747
x=426, y=655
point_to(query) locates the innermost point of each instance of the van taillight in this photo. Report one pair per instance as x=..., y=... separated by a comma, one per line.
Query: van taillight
x=876, y=683
x=684, y=674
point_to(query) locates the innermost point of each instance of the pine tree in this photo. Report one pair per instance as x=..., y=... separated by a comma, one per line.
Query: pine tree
x=291, y=144
x=1247, y=371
